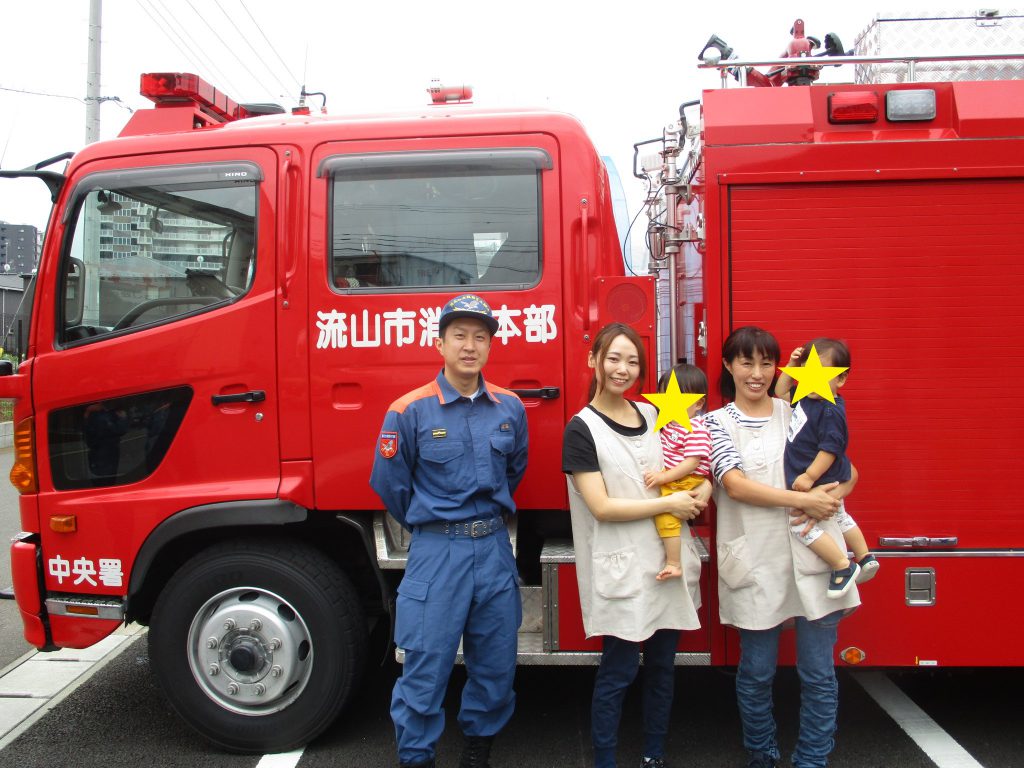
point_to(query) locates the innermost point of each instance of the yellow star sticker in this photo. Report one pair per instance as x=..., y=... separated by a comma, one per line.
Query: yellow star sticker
x=813, y=377
x=672, y=405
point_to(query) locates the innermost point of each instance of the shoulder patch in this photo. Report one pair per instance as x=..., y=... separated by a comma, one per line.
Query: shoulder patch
x=387, y=446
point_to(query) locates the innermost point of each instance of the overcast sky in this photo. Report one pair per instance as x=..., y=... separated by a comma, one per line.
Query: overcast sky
x=622, y=68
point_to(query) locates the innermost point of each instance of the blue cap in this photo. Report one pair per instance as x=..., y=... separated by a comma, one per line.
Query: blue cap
x=467, y=305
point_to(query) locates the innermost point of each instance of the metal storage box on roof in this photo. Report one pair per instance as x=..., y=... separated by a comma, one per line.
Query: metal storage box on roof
x=943, y=33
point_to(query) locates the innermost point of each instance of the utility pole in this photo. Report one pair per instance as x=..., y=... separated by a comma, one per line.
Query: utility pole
x=92, y=85
x=89, y=280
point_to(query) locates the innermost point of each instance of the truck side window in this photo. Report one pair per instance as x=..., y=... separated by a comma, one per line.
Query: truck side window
x=114, y=442
x=438, y=223
x=155, y=245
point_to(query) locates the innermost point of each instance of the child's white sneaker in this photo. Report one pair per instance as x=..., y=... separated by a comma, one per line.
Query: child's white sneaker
x=840, y=582
x=868, y=568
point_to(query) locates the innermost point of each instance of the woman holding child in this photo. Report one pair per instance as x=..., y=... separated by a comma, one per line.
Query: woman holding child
x=767, y=579
x=608, y=448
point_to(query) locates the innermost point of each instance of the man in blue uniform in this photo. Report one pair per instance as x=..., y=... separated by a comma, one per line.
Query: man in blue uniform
x=450, y=455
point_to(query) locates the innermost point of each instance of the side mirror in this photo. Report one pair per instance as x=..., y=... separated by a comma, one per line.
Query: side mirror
x=6, y=368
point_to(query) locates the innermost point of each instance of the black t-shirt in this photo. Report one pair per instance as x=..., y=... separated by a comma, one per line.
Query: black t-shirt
x=579, y=451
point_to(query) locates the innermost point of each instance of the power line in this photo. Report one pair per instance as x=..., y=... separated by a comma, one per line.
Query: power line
x=206, y=63
x=219, y=74
x=115, y=99
x=298, y=84
x=163, y=27
x=40, y=93
x=284, y=88
x=228, y=48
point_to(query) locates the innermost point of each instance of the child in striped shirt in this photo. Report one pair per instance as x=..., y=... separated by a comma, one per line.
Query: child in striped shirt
x=686, y=461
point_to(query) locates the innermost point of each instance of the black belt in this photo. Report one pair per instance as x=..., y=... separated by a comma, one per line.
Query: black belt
x=475, y=529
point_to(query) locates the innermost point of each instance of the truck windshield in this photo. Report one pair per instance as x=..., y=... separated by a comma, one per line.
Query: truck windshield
x=150, y=253
x=435, y=227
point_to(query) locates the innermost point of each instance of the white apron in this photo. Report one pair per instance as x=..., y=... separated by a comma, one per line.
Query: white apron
x=616, y=562
x=765, y=575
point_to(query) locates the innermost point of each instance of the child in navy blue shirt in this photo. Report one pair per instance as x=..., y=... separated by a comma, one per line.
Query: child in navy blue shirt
x=816, y=455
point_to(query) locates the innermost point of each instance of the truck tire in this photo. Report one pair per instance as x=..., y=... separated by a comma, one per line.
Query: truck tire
x=258, y=645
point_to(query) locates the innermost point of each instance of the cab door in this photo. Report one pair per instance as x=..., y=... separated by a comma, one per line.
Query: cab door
x=154, y=383
x=397, y=231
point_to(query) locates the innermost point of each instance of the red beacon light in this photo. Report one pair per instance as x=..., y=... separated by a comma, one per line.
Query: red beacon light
x=177, y=89
x=456, y=94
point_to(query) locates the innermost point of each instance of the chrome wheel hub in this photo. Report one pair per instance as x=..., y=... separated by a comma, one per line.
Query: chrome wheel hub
x=250, y=651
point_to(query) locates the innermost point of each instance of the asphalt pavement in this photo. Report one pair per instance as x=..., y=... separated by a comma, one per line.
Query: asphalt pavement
x=120, y=715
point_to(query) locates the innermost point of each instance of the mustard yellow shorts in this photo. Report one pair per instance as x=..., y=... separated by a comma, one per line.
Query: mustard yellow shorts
x=670, y=525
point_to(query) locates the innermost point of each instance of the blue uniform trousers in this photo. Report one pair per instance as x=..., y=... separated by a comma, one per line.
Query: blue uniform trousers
x=455, y=587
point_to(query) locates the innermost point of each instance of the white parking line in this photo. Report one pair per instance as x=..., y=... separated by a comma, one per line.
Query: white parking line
x=281, y=760
x=926, y=733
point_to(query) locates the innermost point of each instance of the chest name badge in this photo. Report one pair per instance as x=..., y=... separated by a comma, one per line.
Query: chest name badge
x=796, y=423
x=505, y=427
x=437, y=434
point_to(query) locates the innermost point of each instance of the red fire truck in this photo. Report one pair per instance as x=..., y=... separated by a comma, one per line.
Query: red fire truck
x=226, y=304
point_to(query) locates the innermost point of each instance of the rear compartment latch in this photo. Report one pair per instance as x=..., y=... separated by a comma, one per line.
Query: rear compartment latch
x=920, y=584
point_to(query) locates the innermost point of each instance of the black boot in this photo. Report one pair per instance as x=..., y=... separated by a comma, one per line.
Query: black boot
x=476, y=752
x=426, y=764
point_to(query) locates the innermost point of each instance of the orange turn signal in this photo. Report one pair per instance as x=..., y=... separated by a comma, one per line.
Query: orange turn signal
x=63, y=523
x=852, y=655
x=83, y=610
x=23, y=473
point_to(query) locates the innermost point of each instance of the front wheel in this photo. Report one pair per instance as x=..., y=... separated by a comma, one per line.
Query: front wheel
x=258, y=645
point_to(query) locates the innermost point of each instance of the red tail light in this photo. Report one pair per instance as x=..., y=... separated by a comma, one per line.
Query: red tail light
x=853, y=107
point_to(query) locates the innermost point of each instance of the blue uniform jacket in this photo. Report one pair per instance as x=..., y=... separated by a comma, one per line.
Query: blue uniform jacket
x=442, y=456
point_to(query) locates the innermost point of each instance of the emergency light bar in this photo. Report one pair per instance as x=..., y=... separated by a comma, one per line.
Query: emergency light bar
x=169, y=89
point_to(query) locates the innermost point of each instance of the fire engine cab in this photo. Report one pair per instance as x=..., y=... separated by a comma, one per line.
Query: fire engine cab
x=227, y=302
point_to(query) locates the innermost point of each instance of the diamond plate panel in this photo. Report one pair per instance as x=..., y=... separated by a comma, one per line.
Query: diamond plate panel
x=948, y=33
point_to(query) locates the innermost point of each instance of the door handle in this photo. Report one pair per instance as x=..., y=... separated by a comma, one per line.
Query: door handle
x=544, y=393
x=585, y=259
x=252, y=396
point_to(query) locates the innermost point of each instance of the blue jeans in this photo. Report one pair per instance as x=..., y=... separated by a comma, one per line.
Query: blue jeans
x=819, y=691
x=620, y=660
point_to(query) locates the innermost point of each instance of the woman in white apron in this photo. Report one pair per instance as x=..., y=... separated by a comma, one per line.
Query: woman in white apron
x=766, y=577
x=607, y=448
